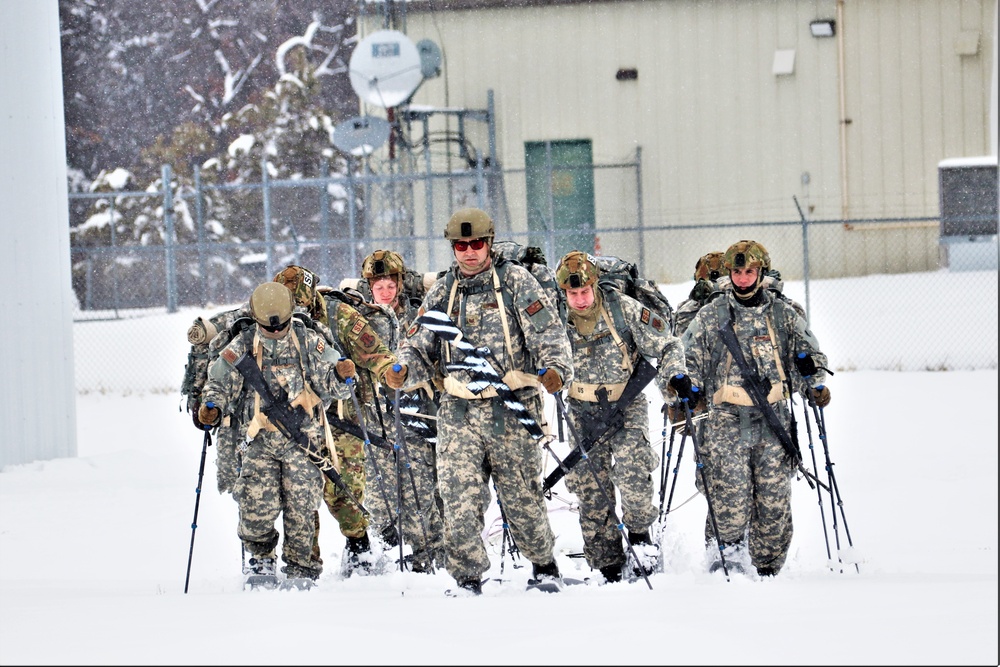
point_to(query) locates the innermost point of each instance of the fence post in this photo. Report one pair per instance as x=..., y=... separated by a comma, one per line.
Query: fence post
x=550, y=224
x=805, y=253
x=266, y=200
x=324, y=220
x=168, y=220
x=638, y=213
x=114, y=283
x=428, y=194
x=199, y=223
x=351, y=215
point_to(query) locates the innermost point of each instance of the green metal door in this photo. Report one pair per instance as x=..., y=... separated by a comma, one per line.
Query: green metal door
x=559, y=184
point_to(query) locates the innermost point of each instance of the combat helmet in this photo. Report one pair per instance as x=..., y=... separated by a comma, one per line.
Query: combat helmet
x=708, y=267
x=302, y=282
x=577, y=269
x=468, y=223
x=747, y=254
x=271, y=305
x=383, y=263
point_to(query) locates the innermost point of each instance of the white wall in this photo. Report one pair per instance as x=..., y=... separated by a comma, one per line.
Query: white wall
x=37, y=397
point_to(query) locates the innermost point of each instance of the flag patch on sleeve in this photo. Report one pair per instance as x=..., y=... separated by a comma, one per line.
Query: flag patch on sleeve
x=229, y=356
x=534, y=308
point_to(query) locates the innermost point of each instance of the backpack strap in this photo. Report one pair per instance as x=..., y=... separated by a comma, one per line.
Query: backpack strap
x=618, y=328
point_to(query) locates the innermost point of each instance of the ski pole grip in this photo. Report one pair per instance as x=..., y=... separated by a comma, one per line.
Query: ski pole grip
x=541, y=371
x=210, y=404
x=397, y=367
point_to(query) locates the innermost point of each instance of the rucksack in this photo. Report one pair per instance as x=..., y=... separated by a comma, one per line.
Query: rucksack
x=624, y=277
x=533, y=259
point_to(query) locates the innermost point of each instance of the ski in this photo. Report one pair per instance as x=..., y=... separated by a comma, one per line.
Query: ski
x=552, y=585
x=482, y=373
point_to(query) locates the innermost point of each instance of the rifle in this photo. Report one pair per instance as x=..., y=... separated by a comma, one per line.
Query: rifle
x=754, y=387
x=607, y=421
x=289, y=421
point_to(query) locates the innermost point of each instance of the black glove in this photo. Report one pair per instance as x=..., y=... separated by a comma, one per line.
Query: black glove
x=681, y=383
x=805, y=365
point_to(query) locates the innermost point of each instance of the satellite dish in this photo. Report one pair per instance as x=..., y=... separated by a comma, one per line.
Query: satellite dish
x=430, y=58
x=385, y=68
x=361, y=135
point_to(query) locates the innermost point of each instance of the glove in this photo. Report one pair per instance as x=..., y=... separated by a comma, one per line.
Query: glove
x=805, y=365
x=208, y=415
x=821, y=395
x=194, y=418
x=675, y=411
x=396, y=376
x=681, y=384
x=551, y=381
x=345, y=369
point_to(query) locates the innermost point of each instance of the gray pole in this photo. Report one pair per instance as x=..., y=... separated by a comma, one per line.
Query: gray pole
x=168, y=220
x=805, y=253
x=429, y=193
x=324, y=221
x=200, y=226
x=352, y=222
x=550, y=225
x=638, y=213
x=266, y=197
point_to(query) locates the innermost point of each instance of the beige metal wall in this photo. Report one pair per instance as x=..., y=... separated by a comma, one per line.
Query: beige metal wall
x=724, y=139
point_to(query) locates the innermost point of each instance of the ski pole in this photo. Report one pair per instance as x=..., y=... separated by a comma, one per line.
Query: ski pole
x=600, y=485
x=689, y=421
x=401, y=444
x=832, y=480
x=206, y=443
x=368, y=446
x=819, y=491
x=665, y=455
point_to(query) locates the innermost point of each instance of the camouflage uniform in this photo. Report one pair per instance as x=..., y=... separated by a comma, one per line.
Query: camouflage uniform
x=372, y=357
x=207, y=337
x=704, y=289
x=478, y=434
x=424, y=531
x=748, y=471
x=598, y=361
x=277, y=476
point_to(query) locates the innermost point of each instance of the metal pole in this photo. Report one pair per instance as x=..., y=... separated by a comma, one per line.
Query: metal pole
x=114, y=253
x=324, y=220
x=168, y=219
x=428, y=192
x=351, y=215
x=551, y=222
x=638, y=217
x=805, y=253
x=200, y=226
x=494, y=163
x=266, y=196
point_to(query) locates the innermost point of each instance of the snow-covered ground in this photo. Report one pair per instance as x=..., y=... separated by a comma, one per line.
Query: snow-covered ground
x=94, y=550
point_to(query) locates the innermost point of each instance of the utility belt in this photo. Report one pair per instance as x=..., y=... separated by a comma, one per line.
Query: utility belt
x=585, y=391
x=733, y=395
x=513, y=379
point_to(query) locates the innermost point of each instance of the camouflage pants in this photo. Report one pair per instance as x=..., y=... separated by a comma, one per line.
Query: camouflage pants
x=423, y=523
x=278, y=478
x=750, y=484
x=633, y=461
x=351, y=451
x=227, y=460
x=474, y=433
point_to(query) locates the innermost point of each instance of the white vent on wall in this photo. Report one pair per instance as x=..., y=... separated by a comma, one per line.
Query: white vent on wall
x=784, y=62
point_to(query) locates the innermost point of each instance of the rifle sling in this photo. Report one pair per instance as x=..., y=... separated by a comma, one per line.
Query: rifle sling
x=754, y=389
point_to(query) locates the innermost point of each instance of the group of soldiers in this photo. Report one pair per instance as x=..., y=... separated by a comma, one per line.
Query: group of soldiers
x=400, y=413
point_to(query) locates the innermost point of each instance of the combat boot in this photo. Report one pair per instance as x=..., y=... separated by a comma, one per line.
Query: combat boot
x=646, y=552
x=736, y=557
x=358, y=556
x=612, y=573
x=546, y=577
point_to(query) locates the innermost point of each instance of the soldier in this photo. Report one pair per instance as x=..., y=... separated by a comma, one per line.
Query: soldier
x=501, y=306
x=354, y=334
x=608, y=330
x=201, y=335
x=707, y=270
x=710, y=277
x=277, y=477
x=384, y=271
x=747, y=467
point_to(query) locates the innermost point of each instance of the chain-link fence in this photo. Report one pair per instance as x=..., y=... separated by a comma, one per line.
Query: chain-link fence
x=151, y=254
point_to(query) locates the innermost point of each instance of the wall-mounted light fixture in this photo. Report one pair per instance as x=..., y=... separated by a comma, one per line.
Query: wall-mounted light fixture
x=627, y=74
x=823, y=28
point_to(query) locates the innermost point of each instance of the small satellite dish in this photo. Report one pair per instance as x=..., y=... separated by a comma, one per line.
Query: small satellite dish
x=361, y=135
x=385, y=68
x=430, y=58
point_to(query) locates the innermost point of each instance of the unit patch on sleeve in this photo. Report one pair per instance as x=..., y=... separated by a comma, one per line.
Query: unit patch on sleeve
x=645, y=316
x=412, y=331
x=534, y=308
x=229, y=356
x=367, y=341
x=359, y=325
x=658, y=324
x=320, y=346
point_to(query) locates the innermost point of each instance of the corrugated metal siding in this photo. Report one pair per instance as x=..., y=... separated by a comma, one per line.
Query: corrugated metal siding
x=723, y=139
x=37, y=404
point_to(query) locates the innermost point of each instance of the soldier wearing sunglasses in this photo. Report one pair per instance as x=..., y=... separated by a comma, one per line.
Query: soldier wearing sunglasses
x=499, y=305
